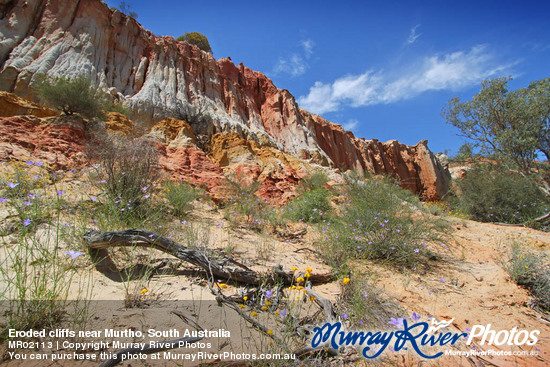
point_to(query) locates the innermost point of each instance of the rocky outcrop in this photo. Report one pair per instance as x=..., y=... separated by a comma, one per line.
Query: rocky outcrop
x=12, y=105
x=158, y=77
x=117, y=123
x=58, y=142
x=416, y=167
x=245, y=161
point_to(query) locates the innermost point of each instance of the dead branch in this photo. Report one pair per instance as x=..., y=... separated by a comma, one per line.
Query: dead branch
x=542, y=218
x=98, y=242
x=325, y=304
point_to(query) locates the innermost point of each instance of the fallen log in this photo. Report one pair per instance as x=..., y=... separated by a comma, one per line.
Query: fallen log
x=224, y=268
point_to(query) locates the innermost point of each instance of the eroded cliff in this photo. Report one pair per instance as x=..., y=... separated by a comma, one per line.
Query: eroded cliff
x=158, y=77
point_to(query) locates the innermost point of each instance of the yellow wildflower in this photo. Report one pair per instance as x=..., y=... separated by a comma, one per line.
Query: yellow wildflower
x=346, y=280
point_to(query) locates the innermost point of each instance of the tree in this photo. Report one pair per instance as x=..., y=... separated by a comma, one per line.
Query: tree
x=513, y=126
x=125, y=8
x=76, y=95
x=465, y=152
x=196, y=38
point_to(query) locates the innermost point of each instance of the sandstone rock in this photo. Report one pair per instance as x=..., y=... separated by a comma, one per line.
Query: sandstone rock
x=172, y=131
x=245, y=161
x=191, y=165
x=12, y=105
x=58, y=142
x=117, y=123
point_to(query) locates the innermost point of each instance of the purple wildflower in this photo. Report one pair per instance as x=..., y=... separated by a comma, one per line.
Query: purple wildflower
x=398, y=323
x=73, y=254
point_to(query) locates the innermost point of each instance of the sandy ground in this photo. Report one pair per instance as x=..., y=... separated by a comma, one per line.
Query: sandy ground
x=468, y=285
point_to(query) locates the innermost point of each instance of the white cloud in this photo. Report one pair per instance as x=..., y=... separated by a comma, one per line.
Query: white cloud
x=351, y=124
x=413, y=36
x=452, y=71
x=319, y=100
x=294, y=65
x=308, y=47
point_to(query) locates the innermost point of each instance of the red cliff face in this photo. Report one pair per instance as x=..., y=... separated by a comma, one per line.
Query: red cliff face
x=159, y=77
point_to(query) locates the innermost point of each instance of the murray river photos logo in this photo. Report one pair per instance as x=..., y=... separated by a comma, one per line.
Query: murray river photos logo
x=419, y=336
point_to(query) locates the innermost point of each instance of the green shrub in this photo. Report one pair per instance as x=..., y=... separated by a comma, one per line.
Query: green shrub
x=76, y=95
x=376, y=223
x=197, y=39
x=312, y=206
x=492, y=194
x=316, y=181
x=181, y=196
x=244, y=206
x=529, y=270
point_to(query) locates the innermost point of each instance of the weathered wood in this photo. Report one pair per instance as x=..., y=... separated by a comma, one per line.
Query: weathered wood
x=98, y=242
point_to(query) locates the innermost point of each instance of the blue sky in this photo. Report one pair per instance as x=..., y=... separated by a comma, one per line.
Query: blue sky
x=381, y=69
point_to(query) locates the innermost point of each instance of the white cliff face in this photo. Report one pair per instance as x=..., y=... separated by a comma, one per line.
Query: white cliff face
x=159, y=77
x=156, y=76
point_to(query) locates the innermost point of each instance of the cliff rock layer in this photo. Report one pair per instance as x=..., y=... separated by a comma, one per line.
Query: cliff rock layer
x=158, y=77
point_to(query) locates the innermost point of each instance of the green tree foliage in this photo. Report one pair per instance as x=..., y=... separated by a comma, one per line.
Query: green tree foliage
x=76, y=95
x=196, y=38
x=511, y=125
x=491, y=193
x=125, y=8
x=465, y=152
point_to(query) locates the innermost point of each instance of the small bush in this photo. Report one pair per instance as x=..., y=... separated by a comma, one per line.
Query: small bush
x=529, y=270
x=376, y=223
x=312, y=206
x=76, y=95
x=313, y=182
x=20, y=182
x=365, y=305
x=127, y=174
x=492, y=194
x=197, y=39
x=244, y=206
x=181, y=196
